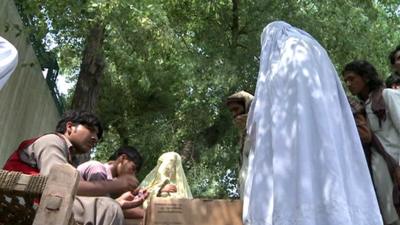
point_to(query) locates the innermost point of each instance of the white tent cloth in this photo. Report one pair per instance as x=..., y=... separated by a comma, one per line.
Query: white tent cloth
x=8, y=60
x=306, y=163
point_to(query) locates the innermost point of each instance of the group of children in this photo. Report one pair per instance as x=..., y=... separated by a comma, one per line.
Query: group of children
x=108, y=193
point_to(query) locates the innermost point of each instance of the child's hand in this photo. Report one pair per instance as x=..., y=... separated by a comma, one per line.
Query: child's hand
x=169, y=188
x=142, y=193
x=130, y=200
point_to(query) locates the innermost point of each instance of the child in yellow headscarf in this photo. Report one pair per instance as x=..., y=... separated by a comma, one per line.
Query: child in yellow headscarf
x=167, y=179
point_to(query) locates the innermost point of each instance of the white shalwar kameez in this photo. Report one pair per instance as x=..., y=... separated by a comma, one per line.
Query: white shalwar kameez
x=8, y=60
x=306, y=163
x=388, y=134
x=389, y=130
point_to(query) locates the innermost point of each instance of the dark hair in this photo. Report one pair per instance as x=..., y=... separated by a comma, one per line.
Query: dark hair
x=392, y=55
x=132, y=153
x=80, y=117
x=392, y=79
x=367, y=71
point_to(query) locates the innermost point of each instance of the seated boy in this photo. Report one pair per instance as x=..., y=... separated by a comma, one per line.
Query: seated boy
x=77, y=132
x=126, y=161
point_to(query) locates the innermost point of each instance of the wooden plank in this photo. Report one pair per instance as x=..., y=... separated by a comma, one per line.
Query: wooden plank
x=58, y=196
x=133, y=222
x=194, y=212
x=22, y=182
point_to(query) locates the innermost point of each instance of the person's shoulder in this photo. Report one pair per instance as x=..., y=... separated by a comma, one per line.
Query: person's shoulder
x=91, y=163
x=389, y=92
x=92, y=170
x=49, y=142
x=49, y=136
x=391, y=97
x=53, y=138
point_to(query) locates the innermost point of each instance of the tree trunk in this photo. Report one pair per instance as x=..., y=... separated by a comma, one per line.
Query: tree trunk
x=187, y=153
x=91, y=71
x=235, y=25
x=123, y=132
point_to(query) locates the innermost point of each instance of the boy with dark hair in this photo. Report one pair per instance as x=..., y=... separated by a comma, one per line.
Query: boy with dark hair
x=126, y=161
x=131, y=153
x=77, y=132
x=393, y=81
x=80, y=117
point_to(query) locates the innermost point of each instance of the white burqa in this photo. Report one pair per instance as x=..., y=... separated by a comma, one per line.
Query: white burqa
x=8, y=60
x=306, y=163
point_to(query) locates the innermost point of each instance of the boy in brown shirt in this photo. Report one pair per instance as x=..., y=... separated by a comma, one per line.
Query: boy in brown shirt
x=77, y=132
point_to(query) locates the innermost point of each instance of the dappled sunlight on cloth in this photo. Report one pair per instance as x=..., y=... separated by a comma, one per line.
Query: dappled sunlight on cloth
x=306, y=164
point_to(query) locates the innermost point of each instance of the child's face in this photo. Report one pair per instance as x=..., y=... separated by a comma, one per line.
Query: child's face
x=354, y=82
x=167, y=168
x=396, y=65
x=126, y=166
x=236, y=108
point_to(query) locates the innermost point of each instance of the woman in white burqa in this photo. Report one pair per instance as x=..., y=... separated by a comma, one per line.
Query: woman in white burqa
x=306, y=163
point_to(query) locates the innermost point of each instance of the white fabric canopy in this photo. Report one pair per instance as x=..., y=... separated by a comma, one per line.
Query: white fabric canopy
x=8, y=60
x=306, y=163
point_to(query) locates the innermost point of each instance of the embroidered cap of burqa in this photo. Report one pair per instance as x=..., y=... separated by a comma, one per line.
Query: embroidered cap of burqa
x=306, y=163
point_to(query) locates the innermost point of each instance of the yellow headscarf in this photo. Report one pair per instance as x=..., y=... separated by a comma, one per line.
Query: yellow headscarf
x=169, y=170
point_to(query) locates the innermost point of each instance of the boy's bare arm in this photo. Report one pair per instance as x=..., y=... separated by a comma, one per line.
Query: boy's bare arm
x=101, y=188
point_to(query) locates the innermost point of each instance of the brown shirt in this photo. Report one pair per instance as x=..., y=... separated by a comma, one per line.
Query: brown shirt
x=363, y=129
x=53, y=149
x=47, y=151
